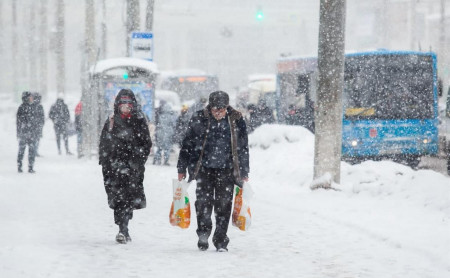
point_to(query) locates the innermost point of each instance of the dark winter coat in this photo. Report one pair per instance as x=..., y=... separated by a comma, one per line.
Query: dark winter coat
x=124, y=148
x=59, y=114
x=193, y=145
x=27, y=122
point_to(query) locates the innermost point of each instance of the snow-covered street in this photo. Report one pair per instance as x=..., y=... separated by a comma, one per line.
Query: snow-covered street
x=386, y=221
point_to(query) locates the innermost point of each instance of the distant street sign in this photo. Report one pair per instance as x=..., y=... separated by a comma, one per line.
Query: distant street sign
x=141, y=45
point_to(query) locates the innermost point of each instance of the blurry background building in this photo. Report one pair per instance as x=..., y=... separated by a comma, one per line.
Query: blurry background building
x=229, y=38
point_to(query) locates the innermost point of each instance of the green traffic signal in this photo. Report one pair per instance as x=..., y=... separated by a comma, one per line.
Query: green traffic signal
x=125, y=75
x=259, y=15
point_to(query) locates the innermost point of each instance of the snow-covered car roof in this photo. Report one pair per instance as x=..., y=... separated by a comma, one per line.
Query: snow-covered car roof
x=107, y=64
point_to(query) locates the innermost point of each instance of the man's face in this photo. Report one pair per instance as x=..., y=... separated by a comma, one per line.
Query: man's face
x=219, y=113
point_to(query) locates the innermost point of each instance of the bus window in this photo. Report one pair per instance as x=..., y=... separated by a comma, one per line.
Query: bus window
x=388, y=88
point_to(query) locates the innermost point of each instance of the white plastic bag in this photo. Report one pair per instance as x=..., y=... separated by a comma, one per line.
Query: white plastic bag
x=242, y=216
x=180, y=211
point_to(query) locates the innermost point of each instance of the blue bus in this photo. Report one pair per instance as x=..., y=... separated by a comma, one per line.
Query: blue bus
x=390, y=103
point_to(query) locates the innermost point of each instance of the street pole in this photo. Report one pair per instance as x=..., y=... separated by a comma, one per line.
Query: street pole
x=104, y=31
x=32, y=48
x=89, y=98
x=43, y=37
x=14, y=47
x=133, y=20
x=328, y=111
x=413, y=25
x=149, y=16
x=59, y=48
x=442, y=55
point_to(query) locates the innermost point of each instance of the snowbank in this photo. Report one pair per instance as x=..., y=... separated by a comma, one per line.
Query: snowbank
x=290, y=154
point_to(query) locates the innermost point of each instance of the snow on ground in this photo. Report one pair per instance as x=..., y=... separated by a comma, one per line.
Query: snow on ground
x=386, y=221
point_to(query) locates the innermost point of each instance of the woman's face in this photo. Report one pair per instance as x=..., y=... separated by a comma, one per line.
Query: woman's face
x=125, y=108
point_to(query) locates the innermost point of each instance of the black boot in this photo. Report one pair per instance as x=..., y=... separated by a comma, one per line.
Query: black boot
x=31, y=170
x=203, y=243
x=19, y=167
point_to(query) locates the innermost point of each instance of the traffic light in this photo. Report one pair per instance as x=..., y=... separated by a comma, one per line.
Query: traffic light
x=125, y=75
x=259, y=15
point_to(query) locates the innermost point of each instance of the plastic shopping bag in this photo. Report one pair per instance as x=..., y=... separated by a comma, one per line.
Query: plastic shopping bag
x=180, y=211
x=242, y=217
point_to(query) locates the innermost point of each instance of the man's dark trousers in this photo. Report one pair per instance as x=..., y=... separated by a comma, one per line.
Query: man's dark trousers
x=214, y=189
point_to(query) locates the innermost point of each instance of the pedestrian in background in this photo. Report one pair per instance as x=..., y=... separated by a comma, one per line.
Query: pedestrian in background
x=182, y=125
x=27, y=125
x=59, y=114
x=40, y=115
x=124, y=148
x=215, y=153
x=164, y=132
x=79, y=128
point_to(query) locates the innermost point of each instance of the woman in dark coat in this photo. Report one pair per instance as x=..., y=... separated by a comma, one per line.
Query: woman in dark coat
x=124, y=148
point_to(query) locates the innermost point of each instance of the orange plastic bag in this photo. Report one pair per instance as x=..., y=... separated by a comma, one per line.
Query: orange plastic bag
x=180, y=210
x=242, y=216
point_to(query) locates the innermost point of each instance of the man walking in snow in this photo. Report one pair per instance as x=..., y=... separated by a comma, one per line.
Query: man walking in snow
x=215, y=153
x=124, y=148
x=27, y=131
x=59, y=114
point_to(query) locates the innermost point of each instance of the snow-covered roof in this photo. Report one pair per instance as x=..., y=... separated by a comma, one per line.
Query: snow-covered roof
x=107, y=64
x=261, y=77
x=187, y=72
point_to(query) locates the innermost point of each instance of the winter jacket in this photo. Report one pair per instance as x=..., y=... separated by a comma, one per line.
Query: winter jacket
x=59, y=114
x=27, y=122
x=193, y=145
x=181, y=127
x=165, y=126
x=124, y=148
x=78, y=122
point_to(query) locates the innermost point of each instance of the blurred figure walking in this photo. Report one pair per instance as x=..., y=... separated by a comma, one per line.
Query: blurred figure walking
x=79, y=128
x=182, y=125
x=59, y=114
x=40, y=115
x=164, y=132
x=27, y=130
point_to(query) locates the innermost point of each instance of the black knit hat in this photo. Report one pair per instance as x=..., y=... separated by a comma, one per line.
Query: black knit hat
x=219, y=99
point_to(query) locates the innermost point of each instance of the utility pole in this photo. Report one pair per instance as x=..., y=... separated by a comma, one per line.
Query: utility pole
x=59, y=48
x=413, y=25
x=384, y=24
x=89, y=97
x=328, y=111
x=90, y=33
x=104, y=31
x=133, y=20
x=1, y=24
x=32, y=47
x=442, y=57
x=43, y=37
x=14, y=47
x=149, y=16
